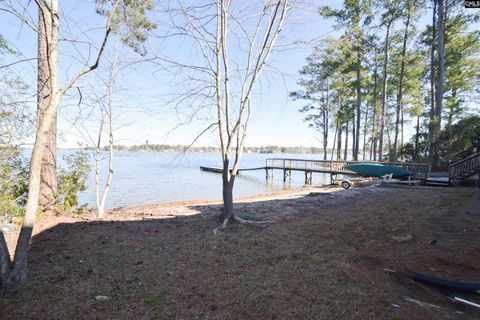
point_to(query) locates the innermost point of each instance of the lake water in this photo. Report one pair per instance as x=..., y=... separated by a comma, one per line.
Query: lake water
x=150, y=177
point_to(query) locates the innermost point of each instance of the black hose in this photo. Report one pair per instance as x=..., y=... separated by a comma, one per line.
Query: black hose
x=446, y=284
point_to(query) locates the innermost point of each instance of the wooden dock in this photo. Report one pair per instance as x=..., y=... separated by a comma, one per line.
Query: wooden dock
x=332, y=167
x=220, y=169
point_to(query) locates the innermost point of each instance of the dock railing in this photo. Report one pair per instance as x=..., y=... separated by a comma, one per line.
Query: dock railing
x=337, y=166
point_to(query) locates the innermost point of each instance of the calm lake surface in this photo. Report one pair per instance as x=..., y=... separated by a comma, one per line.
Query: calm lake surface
x=151, y=177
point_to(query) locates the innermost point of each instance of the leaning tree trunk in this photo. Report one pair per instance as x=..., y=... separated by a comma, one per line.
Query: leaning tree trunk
x=19, y=269
x=384, y=93
x=47, y=32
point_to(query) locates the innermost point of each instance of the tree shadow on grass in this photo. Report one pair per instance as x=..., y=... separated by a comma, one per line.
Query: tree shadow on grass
x=314, y=262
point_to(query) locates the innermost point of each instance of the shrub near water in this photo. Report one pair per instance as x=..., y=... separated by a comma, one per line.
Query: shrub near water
x=73, y=179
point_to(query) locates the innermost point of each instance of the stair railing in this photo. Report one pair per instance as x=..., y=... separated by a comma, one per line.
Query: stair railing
x=465, y=167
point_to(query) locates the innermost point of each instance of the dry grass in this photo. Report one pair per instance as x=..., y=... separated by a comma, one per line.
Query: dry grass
x=324, y=257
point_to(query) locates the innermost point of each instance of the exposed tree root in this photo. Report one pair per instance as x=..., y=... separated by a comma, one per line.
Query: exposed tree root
x=239, y=220
x=222, y=226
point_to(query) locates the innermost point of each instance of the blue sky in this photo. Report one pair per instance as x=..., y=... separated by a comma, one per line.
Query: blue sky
x=143, y=90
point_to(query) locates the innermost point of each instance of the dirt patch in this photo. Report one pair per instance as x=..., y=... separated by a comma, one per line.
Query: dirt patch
x=330, y=253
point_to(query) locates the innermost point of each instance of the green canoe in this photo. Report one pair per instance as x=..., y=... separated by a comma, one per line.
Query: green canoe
x=377, y=170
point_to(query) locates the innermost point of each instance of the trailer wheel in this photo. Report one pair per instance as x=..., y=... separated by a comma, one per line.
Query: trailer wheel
x=346, y=184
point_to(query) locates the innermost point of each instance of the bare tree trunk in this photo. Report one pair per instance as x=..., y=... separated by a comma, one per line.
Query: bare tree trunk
x=48, y=32
x=400, y=88
x=101, y=201
x=227, y=193
x=234, y=131
x=384, y=93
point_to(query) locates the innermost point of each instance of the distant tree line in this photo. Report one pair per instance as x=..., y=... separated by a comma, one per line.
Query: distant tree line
x=184, y=148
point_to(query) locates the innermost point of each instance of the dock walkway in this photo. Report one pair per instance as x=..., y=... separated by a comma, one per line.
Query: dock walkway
x=332, y=167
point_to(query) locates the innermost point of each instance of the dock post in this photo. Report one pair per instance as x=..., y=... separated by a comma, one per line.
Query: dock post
x=287, y=173
x=308, y=178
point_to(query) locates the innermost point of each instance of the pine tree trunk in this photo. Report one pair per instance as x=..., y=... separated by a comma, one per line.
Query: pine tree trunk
x=345, y=153
x=400, y=89
x=373, y=149
x=325, y=124
x=359, y=103
x=451, y=108
x=417, y=138
x=383, y=115
x=439, y=92
x=339, y=128
x=339, y=142
x=354, y=135
x=431, y=124
x=365, y=134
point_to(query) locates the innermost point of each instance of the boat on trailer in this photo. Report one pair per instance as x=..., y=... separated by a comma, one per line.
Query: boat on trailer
x=378, y=170
x=372, y=170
